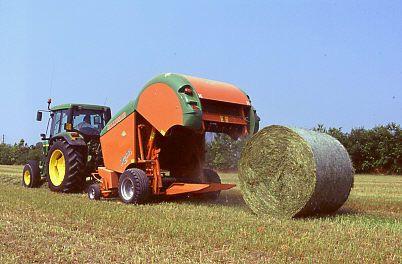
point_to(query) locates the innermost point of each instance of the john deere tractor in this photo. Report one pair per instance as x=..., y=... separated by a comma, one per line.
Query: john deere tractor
x=71, y=147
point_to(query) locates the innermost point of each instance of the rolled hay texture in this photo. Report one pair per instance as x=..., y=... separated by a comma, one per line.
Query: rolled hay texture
x=286, y=172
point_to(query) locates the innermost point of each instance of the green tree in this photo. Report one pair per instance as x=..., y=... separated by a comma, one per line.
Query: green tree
x=223, y=152
x=19, y=153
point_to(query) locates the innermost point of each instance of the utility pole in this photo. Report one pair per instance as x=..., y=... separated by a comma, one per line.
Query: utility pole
x=2, y=139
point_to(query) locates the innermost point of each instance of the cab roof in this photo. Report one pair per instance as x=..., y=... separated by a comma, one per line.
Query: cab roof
x=83, y=106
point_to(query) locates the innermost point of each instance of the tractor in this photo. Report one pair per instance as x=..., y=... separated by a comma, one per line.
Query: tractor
x=71, y=147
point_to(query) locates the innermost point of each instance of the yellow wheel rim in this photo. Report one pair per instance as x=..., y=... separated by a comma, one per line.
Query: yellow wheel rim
x=57, y=167
x=27, y=177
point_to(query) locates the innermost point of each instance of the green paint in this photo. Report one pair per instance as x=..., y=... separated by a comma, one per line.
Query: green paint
x=253, y=121
x=84, y=106
x=128, y=109
x=68, y=135
x=191, y=117
x=45, y=147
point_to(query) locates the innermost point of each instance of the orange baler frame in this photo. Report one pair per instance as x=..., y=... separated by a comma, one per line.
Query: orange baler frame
x=128, y=140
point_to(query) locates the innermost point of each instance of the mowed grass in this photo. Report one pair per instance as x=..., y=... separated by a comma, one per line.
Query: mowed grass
x=37, y=225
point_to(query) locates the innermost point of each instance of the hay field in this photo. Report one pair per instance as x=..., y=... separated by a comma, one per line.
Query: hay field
x=37, y=225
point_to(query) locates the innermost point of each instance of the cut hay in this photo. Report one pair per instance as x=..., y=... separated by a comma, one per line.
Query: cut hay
x=287, y=172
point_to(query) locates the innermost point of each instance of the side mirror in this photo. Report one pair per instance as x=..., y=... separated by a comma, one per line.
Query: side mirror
x=43, y=136
x=39, y=116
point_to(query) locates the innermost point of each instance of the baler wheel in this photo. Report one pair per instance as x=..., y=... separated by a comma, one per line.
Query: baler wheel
x=134, y=186
x=31, y=174
x=65, y=168
x=212, y=177
x=94, y=192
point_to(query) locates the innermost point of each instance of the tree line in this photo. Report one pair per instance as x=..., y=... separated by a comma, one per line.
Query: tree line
x=376, y=150
x=19, y=153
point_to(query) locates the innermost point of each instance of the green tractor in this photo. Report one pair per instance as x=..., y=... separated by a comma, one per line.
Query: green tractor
x=71, y=147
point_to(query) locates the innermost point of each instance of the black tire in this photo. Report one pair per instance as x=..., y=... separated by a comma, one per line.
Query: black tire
x=212, y=177
x=134, y=186
x=31, y=174
x=74, y=177
x=94, y=192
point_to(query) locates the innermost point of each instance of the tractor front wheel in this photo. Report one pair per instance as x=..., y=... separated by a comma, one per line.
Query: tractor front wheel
x=133, y=186
x=31, y=174
x=65, y=168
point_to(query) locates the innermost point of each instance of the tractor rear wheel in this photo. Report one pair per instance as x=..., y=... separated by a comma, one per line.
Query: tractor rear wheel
x=31, y=174
x=65, y=168
x=134, y=186
x=212, y=177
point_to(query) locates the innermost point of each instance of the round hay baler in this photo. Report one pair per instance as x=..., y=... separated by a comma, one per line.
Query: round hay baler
x=155, y=145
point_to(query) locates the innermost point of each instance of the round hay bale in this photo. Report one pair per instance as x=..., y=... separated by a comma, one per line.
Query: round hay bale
x=287, y=172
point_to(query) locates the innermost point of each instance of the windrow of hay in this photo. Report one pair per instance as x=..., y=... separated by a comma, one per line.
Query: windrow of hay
x=287, y=172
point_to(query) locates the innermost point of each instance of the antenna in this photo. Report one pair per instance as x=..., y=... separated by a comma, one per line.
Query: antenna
x=105, y=101
x=51, y=80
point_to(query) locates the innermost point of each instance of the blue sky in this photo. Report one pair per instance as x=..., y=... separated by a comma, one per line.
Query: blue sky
x=302, y=62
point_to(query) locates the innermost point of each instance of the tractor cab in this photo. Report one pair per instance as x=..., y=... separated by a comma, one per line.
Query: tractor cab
x=83, y=119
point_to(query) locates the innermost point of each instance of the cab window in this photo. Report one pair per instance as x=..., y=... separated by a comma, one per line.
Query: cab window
x=64, y=119
x=58, y=120
x=88, y=120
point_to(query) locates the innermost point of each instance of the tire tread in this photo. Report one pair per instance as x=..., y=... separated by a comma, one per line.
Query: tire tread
x=74, y=178
x=141, y=185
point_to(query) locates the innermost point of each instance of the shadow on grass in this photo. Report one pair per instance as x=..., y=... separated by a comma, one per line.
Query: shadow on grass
x=231, y=198
x=339, y=212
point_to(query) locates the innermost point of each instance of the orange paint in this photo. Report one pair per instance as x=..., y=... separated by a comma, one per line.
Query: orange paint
x=159, y=105
x=213, y=187
x=139, y=133
x=179, y=188
x=224, y=119
x=118, y=145
x=110, y=179
x=218, y=91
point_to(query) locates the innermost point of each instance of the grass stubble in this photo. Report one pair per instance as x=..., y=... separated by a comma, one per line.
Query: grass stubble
x=37, y=225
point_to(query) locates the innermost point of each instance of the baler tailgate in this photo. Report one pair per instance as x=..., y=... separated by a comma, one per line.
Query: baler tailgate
x=213, y=187
x=180, y=188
